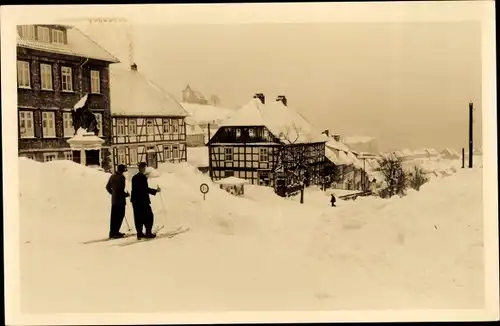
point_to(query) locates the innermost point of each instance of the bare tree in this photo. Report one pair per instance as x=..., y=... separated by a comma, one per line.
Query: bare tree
x=417, y=178
x=391, y=168
x=293, y=160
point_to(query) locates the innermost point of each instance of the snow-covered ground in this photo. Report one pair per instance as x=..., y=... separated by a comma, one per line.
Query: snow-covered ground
x=259, y=252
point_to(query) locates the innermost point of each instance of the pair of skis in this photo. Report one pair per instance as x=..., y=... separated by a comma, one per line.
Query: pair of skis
x=169, y=234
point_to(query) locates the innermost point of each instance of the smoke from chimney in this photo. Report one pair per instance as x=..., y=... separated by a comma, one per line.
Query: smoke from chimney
x=261, y=97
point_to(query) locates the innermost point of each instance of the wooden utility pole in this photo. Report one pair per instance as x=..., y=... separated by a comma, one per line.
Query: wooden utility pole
x=210, y=172
x=471, y=109
x=463, y=157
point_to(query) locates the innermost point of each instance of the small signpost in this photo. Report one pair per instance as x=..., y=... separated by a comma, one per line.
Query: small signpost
x=204, y=189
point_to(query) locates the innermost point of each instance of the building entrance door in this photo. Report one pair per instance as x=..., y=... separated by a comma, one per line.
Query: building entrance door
x=152, y=159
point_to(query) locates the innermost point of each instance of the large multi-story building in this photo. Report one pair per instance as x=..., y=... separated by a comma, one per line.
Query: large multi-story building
x=148, y=125
x=268, y=144
x=56, y=66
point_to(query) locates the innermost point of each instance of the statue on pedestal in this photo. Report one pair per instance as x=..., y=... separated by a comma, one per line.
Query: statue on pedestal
x=83, y=117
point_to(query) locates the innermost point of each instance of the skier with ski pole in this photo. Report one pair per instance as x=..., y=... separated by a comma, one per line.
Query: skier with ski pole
x=141, y=203
x=116, y=188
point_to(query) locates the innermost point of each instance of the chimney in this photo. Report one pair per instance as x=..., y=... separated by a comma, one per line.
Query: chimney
x=261, y=97
x=336, y=137
x=133, y=67
x=327, y=133
x=282, y=99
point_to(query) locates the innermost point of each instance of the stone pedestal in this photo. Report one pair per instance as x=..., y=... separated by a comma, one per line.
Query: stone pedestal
x=86, y=148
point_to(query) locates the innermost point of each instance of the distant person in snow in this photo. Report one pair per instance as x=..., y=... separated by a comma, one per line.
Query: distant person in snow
x=143, y=214
x=333, y=200
x=116, y=188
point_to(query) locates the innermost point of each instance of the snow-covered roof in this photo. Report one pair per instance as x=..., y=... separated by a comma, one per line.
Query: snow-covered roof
x=332, y=143
x=133, y=94
x=79, y=45
x=201, y=113
x=336, y=156
x=284, y=122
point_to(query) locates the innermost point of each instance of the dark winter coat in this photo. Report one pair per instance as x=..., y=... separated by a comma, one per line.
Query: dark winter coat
x=140, y=190
x=116, y=188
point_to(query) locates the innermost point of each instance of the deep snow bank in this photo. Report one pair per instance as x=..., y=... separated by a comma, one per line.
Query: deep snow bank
x=258, y=252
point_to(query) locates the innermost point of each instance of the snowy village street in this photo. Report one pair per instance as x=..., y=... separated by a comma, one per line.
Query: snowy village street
x=258, y=252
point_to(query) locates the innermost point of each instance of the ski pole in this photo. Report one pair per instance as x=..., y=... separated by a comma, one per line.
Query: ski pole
x=128, y=225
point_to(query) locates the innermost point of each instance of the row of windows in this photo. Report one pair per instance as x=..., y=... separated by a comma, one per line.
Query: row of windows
x=27, y=129
x=229, y=155
x=169, y=126
x=169, y=151
x=43, y=34
x=47, y=81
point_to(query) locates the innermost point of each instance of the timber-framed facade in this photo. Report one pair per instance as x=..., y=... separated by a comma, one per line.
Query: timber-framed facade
x=50, y=81
x=148, y=139
x=253, y=152
x=147, y=124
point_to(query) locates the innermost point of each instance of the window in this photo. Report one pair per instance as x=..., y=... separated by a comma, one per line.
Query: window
x=26, y=124
x=150, y=127
x=251, y=132
x=238, y=133
x=48, y=124
x=46, y=74
x=121, y=156
x=167, y=153
x=68, y=156
x=67, y=79
x=57, y=36
x=133, y=155
x=263, y=155
x=28, y=32
x=23, y=74
x=47, y=157
x=166, y=126
x=68, y=129
x=98, y=117
x=43, y=34
x=266, y=133
x=228, y=173
x=175, y=126
x=175, y=152
x=120, y=127
x=228, y=154
x=132, y=127
x=95, y=82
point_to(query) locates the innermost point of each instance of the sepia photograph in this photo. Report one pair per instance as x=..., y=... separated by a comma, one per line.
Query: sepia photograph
x=263, y=162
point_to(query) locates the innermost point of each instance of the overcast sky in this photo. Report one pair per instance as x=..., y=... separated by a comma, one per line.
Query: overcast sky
x=407, y=84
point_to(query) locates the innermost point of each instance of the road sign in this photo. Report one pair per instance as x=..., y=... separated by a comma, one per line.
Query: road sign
x=204, y=189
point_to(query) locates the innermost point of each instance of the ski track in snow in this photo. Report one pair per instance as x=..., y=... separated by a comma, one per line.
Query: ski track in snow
x=260, y=252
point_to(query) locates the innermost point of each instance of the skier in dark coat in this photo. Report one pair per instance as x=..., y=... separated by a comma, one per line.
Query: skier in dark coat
x=143, y=214
x=116, y=188
x=333, y=200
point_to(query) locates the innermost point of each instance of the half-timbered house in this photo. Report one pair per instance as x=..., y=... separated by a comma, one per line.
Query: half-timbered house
x=268, y=144
x=56, y=66
x=148, y=124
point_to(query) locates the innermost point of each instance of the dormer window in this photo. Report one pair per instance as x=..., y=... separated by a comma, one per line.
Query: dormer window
x=251, y=132
x=28, y=32
x=43, y=34
x=57, y=36
x=266, y=133
x=238, y=133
